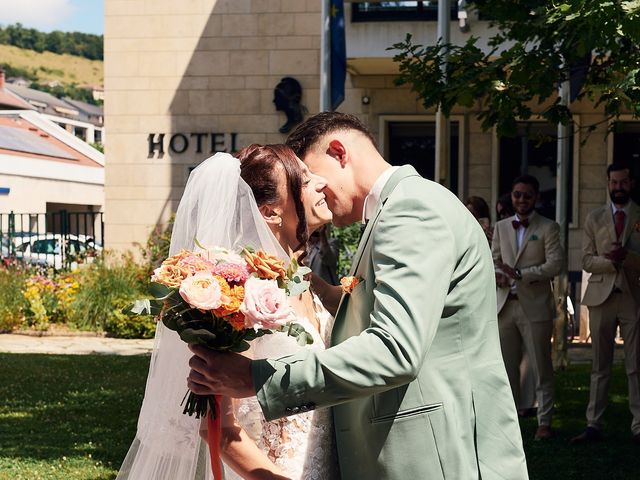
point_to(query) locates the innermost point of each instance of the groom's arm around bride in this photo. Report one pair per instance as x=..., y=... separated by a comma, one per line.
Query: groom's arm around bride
x=415, y=375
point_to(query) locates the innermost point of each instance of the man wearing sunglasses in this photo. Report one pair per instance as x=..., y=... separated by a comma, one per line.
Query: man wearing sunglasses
x=611, y=253
x=527, y=255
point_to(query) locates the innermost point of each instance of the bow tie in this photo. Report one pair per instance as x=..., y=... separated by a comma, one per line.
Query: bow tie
x=516, y=224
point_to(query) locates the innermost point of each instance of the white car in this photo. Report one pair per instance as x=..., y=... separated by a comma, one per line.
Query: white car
x=57, y=251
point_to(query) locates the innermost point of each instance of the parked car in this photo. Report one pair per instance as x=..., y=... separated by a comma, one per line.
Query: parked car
x=9, y=244
x=58, y=251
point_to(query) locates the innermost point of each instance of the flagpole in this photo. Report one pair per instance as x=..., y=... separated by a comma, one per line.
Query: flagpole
x=441, y=170
x=325, y=59
x=561, y=283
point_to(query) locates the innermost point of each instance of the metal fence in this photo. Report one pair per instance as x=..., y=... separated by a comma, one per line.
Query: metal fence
x=59, y=240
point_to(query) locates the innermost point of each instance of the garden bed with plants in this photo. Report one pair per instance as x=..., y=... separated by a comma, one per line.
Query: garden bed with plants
x=90, y=299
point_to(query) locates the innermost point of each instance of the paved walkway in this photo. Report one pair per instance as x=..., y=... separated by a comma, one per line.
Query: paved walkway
x=73, y=345
x=86, y=344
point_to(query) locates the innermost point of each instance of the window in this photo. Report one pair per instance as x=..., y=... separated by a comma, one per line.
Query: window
x=534, y=151
x=398, y=11
x=414, y=143
x=626, y=149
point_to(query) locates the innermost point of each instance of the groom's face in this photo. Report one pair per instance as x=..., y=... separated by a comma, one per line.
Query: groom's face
x=339, y=195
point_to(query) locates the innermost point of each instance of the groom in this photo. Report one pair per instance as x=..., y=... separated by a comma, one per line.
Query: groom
x=415, y=374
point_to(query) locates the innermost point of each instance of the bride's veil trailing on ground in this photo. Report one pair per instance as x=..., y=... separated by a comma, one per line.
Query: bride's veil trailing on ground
x=217, y=209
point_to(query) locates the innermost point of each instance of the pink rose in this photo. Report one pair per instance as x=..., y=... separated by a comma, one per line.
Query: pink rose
x=264, y=305
x=201, y=290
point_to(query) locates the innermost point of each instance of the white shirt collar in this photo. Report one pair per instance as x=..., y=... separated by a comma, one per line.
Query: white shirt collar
x=371, y=200
x=530, y=217
x=614, y=209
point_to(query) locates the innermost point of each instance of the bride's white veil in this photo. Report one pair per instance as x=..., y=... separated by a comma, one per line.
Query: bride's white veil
x=216, y=209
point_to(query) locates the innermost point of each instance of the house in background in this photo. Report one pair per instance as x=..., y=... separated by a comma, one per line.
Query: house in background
x=10, y=101
x=80, y=118
x=93, y=114
x=45, y=169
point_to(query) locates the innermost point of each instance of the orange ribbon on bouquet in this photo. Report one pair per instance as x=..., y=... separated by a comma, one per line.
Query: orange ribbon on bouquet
x=214, y=436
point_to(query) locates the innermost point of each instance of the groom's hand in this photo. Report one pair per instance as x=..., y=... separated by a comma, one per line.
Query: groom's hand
x=212, y=372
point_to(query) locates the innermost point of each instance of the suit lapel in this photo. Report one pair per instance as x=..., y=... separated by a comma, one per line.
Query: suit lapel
x=634, y=213
x=512, y=238
x=403, y=172
x=607, y=221
x=398, y=175
x=528, y=232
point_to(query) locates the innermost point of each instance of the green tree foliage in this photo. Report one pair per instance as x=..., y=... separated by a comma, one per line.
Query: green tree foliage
x=11, y=71
x=538, y=44
x=74, y=43
x=348, y=238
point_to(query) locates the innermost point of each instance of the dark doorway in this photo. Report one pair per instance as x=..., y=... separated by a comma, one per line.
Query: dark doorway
x=414, y=143
x=534, y=151
x=626, y=149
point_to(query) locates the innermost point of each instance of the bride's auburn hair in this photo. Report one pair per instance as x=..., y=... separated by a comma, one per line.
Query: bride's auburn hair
x=259, y=165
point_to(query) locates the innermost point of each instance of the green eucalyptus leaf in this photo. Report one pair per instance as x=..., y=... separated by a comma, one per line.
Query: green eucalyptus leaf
x=297, y=287
x=199, y=336
x=160, y=291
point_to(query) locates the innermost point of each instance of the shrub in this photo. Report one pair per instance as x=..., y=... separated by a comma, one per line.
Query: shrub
x=157, y=248
x=105, y=284
x=349, y=238
x=122, y=325
x=39, y=291
x=13, y=305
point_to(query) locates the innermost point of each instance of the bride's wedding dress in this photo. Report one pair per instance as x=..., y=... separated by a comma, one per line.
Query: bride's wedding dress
x=219, y=209
x=302, y=445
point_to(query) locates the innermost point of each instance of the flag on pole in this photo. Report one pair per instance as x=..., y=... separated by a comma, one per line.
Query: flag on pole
x=338, y=52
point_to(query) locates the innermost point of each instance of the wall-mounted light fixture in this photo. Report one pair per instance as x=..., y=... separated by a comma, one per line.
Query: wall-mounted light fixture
x=366, y=100
x=463, y=18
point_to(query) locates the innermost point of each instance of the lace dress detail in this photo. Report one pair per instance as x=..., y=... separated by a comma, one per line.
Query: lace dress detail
x=302, y=445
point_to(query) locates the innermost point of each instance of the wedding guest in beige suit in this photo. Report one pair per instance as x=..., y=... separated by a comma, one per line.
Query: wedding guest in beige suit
x=611, y=253
x=527, y=255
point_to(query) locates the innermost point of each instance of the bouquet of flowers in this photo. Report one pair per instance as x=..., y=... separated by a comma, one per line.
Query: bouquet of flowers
x=223, y=299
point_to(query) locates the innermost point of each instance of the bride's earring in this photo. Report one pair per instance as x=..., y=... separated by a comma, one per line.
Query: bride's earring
x=280, y=223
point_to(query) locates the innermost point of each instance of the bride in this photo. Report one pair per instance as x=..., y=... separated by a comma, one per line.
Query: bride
x=266, y=198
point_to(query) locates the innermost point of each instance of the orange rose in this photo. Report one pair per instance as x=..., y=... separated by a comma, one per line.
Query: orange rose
x=175, y=259
x=348, y=284
x=266, y=266
x=170, y=275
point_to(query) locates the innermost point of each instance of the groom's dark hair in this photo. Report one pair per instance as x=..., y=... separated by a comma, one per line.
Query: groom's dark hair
x=307, y=134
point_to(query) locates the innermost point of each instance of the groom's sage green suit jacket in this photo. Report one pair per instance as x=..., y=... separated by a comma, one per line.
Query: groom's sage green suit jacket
x=415, y=374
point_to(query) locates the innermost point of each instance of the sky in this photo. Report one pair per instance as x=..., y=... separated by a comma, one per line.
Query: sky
x=47, y=15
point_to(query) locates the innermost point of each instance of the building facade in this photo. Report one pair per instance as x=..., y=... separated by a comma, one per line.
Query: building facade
x=186, y=79
x=45, y=169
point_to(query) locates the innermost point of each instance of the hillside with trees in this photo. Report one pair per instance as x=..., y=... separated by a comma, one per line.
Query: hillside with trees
x=31, y=55
x=74, y=43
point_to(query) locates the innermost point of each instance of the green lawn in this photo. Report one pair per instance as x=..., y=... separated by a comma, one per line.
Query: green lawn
x=73, y=418
x=68, y=417
x=615, y=459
